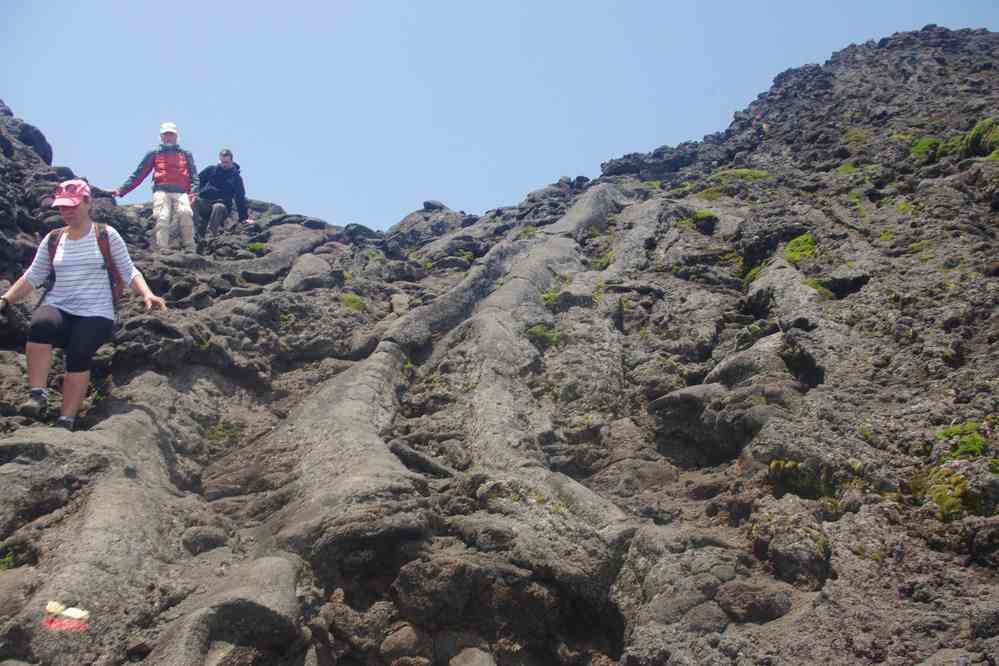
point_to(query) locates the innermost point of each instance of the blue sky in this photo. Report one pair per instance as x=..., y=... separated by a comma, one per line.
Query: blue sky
x=359, y=111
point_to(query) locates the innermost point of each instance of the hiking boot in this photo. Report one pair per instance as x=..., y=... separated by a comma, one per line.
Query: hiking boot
x=36, y=406
x=65, y=423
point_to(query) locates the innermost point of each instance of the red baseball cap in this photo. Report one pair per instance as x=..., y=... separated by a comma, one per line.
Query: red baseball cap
x=70, y=193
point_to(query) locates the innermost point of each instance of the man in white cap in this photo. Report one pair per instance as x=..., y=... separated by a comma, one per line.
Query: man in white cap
x=175, y=183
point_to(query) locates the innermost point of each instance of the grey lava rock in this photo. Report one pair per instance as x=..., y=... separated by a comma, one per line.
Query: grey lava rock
x=732, y=402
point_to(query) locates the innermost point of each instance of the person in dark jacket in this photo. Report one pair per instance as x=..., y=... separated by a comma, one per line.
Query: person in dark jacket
x=221, y=185
x=175, y=185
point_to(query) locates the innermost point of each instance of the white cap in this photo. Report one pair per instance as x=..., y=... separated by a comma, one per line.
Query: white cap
x=169, y=127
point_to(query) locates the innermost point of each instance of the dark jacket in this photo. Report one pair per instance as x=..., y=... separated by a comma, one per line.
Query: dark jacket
x=173, y=171
x=218, y=184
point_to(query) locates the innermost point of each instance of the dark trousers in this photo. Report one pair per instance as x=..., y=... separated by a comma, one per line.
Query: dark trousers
x=211, y=216
x=78, y=336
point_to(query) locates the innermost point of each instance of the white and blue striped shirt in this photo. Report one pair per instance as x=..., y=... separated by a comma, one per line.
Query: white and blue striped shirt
x=82, y=287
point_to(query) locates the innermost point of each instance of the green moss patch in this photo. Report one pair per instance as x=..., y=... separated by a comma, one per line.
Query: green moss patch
x=543, y=336
x=817, y=286
x=224, y=432
x=924, y=150
x=752, y=274
x=598, y=293
x=527, y=232
x=800, y=248
x=711, y=194
x=603, y=261
x=682, y=189
x=352, y=302
x=551, y=295
x=951, y=146
x=703, y=216
x=846, y=169
x=726, y=176
x=790, y=476
x=982, y=140
x=947, y=489
x=966, y=440
x=856, y=138
x=857, y=199
x=734, y=259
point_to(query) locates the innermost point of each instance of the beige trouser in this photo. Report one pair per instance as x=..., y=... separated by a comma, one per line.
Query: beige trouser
x=171, y=210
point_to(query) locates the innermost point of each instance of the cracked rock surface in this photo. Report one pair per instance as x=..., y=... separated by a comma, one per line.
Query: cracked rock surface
x=732, y=402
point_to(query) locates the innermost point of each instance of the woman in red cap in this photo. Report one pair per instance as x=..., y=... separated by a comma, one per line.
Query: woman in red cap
x=85, y=264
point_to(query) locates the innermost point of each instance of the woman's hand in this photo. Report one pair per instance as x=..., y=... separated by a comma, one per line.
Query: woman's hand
x=20, y=289
x=154, y=302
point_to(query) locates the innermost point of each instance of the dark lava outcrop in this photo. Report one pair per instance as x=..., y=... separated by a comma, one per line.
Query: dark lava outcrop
x=732, y=402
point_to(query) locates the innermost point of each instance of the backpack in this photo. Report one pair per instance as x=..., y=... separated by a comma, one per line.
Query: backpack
x=104, y=243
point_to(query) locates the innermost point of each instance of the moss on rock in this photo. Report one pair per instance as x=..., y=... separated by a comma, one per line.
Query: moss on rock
x=982, y=140
x=924, y=150
x=726, y=176
x=543, y=336
x=799, y=248
x=791, y=476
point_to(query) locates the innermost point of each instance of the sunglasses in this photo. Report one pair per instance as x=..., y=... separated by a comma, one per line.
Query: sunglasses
x=72, y=189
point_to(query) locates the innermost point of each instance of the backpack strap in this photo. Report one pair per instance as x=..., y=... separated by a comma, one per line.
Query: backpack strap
x=117, y=283
x=53, y=246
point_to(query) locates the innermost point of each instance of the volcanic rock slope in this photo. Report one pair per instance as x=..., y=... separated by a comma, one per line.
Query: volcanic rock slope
x=732, y=402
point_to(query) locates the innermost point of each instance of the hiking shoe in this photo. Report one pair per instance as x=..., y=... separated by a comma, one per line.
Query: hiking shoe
x=36, y=406
x=65, y=423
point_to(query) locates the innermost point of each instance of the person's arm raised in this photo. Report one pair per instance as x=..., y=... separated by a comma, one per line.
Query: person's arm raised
x=144, y=169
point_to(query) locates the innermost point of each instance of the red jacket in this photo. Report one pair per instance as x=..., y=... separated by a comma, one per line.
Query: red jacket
x=173, y=171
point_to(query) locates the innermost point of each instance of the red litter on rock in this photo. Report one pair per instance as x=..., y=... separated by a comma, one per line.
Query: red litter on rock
x=63, y=624
x=60, y=618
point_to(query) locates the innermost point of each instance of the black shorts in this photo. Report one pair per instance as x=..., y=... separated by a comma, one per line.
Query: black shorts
x=79, y=336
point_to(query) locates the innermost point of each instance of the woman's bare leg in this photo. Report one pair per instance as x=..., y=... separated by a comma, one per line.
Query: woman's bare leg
x=39, y=364
x=74, y=389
